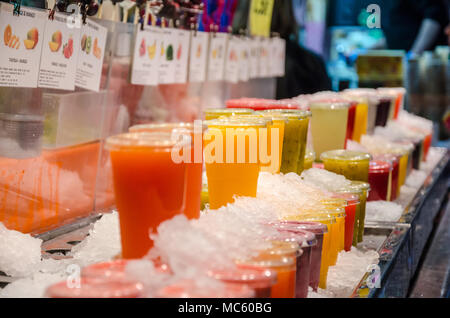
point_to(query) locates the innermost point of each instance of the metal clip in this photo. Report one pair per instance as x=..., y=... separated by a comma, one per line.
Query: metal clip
x=17, y=4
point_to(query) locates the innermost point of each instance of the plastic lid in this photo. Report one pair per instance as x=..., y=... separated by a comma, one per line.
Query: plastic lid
x=351, y=198
x=284, y=244
x=189, y=289
x=228, y=110
x=329, y=104
x=142, y=139
x=345, y=155
x=248, y=116
x=290, y=112
x=388, y=157
x=310, y=154
x=247, y=275
x=309, y=238
x=165, y=127
x=236, y=122
x=360, y=185
x=96, y=288
x=378, y=166
x=314, y=227
x=270, y=261
x=114, y=269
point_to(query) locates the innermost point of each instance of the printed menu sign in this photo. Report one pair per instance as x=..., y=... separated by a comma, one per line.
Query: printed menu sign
x=281, y=57
x=244, y=59
x=216, y=59
x=264, y=60
x=168, y=47
x=254, y=56
x=20, y=45
x=198, y=57
x=61, y=46
x=232, y=60
x=90, y=58
x=182, y=56
x=146, y=56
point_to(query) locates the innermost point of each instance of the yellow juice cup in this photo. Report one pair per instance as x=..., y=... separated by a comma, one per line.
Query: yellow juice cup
x=328, y=125
x=336, y=207
x=215, y=113
x=353, y=165
x=232, y=159
x=360, y=128
x=310, y=156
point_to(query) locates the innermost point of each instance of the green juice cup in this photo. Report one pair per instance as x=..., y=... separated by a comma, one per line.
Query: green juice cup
x=364, y=187
x=353, y=165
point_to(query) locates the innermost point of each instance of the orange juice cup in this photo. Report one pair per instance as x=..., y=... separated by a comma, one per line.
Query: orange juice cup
x=232, y=167
x=194, y=167
x=149, y=186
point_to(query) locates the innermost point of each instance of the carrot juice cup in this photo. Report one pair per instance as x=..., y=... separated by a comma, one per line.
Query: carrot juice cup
x=149, y=186
x=194, y=164
x=353, y=165
x=260, y=280
x=336, y=206
x=232, y=167
x=380, y=176
x=328, y=125
x=214, y=113
x=96, y=288
x=189, y=289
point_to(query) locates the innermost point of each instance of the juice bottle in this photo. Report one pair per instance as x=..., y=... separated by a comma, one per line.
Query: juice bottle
x=328, y=125
x=236, y=173
x=214, y=113
x=149, y=186
x=194, y=167
x=354, y=165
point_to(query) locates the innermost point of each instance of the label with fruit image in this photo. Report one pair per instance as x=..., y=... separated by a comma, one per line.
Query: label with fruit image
x=264, y=58
x=232, y=60
x=146, y=57
x=216, y=60
x=254, y=57
x=20, y=45
x=166, y=69
x=244, y=59
x=198, y=56
x=182, y=55
x=61, y=47
x=90, y=58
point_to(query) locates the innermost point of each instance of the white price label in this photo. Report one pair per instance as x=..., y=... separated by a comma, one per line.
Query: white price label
x=198, y=57
x=147, y=53
x=217, y=50
x=182, y=56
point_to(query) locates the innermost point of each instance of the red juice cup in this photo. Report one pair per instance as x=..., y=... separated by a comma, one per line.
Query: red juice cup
x=426, y=145
x=260, y=280
x=350, y=121
x=189, y=289
x=96, y=288
x=350, y=214
x=395, y=163
x=194, y=168
x=380, y=173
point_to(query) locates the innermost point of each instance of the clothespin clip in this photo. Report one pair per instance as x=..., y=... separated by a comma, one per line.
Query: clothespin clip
x=17, y=4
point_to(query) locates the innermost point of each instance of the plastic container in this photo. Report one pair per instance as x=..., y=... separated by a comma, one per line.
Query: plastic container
x=383, y=109
x=353, y=165
x=96, y=288
x=364, y=187
x=214, y=113
x=351, y=207
x=258, y=279
x=351, y=121
x=394, y=160
x=328, y=125
x=194, y=162
x=310, y=156
x=380, y=180
x=149, y=186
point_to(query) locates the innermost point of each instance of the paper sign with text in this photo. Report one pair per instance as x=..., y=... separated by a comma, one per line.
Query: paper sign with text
x=146, y=56
x=167, y=51
x=198, y=57
x=260, y=17
x=216, y=60
x=182, y=56
x=20, y=46
x=90, y=58
x=60, y=50
x=244, y=59
x=232, y=60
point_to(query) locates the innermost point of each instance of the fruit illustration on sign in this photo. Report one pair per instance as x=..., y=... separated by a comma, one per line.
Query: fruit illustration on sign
x=142, y=48
x=162, y=49
x=88, y=45
x=214, y=53
x=179, y=51
x=10, y=39
x=68, y=49
x=97, y=50
x=56, y=41
x=199, y=51
x=83, y=42
x=152, y=50
x=233, y=56
x=32, y=39
x=169, y=53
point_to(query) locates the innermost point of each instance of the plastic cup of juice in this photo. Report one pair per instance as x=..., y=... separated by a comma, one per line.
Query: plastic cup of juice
x=393, y=100
x=294, y=141
x=232, y=170
x=365, y=189
x=365, y=96
x=380, y=173
x=214, y=113
x=149, y=186
x=383, y=110
x=194, y=167
x=353, y=165
x=350, y=213
x=351, y=124
x=318, y=229
x=96, y=288
x=188, y=288
x=426, y=145
x=338, y=237
x=260, y=280
x=284, y=266
x=328, y=125
x=353, y=239
x=326, y=258
x=307, y=241
x=310, y=156
x=394, y=161
x=335, y=204
x=398, y=94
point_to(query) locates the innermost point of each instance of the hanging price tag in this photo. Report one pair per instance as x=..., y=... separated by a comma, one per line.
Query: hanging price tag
x=216, y=59
x=61, y=47
x=264, y=57
x=254, y=56
x=261, y=17
x=244, y=59
x=232, y=60
x=147, y=53
x=169, y=45
x=198, y=57
x=90, y=58
x=182, y=56
x=20, y=46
